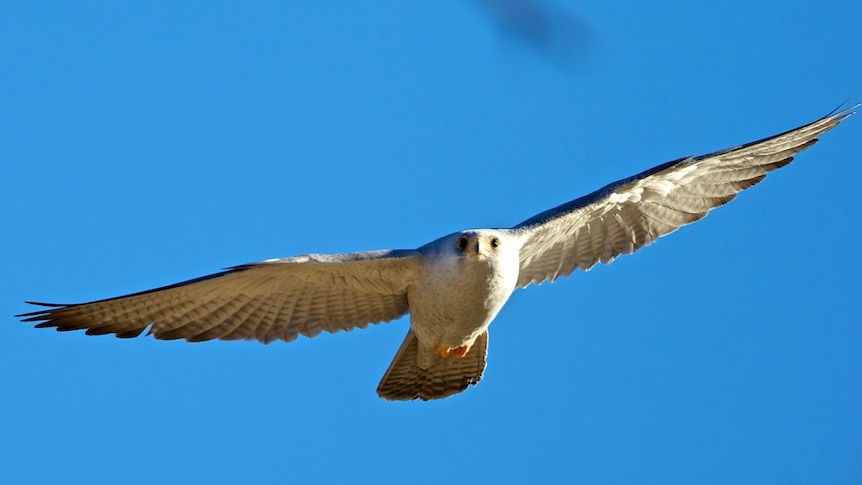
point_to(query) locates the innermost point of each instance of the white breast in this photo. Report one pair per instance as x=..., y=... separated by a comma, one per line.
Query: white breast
x=458, y=295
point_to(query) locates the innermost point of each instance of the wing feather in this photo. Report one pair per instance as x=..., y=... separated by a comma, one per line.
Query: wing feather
x=265, y=301
x=631, y=213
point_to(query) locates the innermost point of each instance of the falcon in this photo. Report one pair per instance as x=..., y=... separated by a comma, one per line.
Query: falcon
x=452, y=287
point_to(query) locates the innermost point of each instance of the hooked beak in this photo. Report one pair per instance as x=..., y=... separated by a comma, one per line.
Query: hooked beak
x=478, y=246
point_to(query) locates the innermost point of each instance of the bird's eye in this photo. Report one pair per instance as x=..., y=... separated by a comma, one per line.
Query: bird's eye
x=495, y=243
x=462, y=242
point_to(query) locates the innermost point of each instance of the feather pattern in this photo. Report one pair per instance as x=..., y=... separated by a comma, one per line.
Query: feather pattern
x=271, y=300
x=406, y=379
x=631, y=213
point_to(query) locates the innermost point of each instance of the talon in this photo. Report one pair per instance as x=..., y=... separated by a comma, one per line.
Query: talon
x=460, y=351
x=442, y=350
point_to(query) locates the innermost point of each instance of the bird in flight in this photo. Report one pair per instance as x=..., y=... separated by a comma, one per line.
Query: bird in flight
x=452, y=287
x=549, y=29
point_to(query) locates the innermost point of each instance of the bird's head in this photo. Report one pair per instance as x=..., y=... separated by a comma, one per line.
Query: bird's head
x=485, y=256
x=476, y=244
x=491, y=248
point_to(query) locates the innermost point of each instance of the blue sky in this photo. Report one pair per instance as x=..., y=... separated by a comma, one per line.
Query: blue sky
x=144, y=144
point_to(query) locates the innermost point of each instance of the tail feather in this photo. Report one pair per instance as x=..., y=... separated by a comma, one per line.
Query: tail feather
x=405, y=380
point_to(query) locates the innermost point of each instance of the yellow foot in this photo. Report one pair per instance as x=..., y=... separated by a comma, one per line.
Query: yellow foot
x=444, y=351
x=461, y=351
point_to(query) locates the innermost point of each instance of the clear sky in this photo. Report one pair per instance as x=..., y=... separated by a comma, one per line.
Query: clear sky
x=146, y=144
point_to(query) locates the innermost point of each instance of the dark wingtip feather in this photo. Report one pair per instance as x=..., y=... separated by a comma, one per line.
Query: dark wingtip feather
x=40, y=315
x=840, y=112
x=52, y=305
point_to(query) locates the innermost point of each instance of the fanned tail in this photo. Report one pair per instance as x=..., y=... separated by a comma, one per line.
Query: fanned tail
x=406, y=380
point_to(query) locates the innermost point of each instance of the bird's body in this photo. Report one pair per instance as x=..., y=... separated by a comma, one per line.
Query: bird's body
x=457, y=297
x=452, y=287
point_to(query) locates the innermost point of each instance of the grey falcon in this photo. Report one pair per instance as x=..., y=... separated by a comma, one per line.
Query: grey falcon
x=452, y=287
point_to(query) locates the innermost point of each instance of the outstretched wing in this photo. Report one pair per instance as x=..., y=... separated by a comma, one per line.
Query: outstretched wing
x=266, y=301
x=631, y=213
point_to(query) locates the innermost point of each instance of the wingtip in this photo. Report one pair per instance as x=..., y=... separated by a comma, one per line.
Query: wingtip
x=34, y=315
x=843, y=111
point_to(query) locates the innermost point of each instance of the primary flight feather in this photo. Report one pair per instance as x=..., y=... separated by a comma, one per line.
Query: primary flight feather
x=452, y=287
